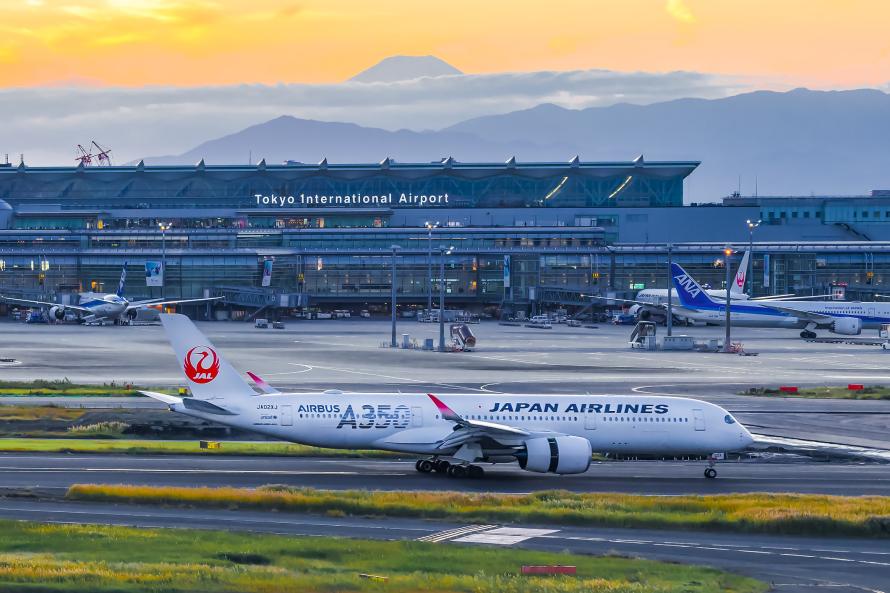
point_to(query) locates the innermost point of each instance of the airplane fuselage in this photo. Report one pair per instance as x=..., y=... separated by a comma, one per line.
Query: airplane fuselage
x=104, y=306
x=758, y=314
x=410, y=423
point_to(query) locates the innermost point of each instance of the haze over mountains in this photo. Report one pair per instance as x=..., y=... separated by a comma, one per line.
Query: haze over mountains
x=420, y=108
x=797, y=142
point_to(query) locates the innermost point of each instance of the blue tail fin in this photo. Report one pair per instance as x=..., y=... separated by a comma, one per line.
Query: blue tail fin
x=691, y=294
x=120, y=286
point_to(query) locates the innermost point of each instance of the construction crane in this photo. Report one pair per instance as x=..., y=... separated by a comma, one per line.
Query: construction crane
x=83, y=156
x=104, y=154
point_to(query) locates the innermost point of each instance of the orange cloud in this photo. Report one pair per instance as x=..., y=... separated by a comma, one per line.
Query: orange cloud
x=211, y=42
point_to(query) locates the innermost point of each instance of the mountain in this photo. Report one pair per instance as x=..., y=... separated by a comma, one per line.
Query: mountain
x=397, y=68
x=792, y=143
x=796, y=142
x=290, y=138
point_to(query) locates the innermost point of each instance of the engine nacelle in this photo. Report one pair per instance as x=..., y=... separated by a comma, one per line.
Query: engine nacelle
x=557, y=455
x=57, y=313
x=848, y=326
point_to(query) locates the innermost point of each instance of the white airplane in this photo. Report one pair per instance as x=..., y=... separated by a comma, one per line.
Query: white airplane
x=544, y=433
x=652, y=302
x=839, y=317
x=659, y=296
x=96, y=307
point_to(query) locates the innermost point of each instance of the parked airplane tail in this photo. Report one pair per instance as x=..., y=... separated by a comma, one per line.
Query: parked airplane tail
x=688, y=290
x=738, y=286
x=209, y=375
x=120, y=285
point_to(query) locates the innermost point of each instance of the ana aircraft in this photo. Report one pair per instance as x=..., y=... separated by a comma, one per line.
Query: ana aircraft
x=544, y=433
x=839, y=317
x=95, y=307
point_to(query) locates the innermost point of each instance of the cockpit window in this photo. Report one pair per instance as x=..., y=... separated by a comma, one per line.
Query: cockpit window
x=729, y=419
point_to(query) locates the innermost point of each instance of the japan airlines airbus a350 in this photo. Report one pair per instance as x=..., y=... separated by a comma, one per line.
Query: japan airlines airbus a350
x=95, y=307
x=544, y=433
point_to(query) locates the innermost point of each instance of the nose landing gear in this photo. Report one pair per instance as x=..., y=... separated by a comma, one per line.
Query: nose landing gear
x=710, y=472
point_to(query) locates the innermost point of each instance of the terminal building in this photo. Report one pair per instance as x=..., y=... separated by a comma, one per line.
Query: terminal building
x=512, y=235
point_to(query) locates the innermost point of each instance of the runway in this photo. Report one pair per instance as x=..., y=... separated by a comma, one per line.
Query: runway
x=792, y=564
x=55, y=472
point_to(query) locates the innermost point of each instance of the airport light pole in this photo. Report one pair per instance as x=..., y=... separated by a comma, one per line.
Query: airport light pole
x=164, y=226
x=750, y=271
x=727, y=252
x=395, y=249
x=429, y=265
x=443, y=251
x=670, y=317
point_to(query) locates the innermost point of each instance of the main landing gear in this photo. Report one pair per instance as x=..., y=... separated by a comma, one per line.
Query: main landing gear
x=807, y=334
x=710, y=472
x=440, y=466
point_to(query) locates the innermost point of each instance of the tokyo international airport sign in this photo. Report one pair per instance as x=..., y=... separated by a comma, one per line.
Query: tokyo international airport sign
x=404, y=199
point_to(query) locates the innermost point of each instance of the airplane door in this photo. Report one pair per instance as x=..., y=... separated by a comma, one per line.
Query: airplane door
x=286, y=415
x=699, y=418
x=416, y=416
x=590, y=421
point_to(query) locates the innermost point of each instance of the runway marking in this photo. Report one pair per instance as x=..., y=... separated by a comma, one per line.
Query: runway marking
x=765, y=550
x=442, y=536
x=280, y=472
x=504, y=536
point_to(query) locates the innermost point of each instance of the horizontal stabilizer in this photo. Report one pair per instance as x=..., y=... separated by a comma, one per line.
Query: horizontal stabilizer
x=163, y=397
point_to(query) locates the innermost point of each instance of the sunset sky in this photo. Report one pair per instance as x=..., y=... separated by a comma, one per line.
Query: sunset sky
x=816, y=43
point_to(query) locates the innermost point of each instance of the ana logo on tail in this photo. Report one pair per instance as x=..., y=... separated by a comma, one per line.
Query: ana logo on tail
x=688, y=284
x=201, y=364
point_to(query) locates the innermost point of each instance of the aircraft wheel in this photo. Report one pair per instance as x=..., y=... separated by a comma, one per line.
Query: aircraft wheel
x=710, y=473
x=424, y=466
x=476, y=471
x=457, y=471
x=441, y=466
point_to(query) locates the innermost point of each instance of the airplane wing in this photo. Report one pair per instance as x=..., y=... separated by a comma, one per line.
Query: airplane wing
x=807, y=315
x=44, y=304
x=150, y=302
x=790, y=297
x=470, y=431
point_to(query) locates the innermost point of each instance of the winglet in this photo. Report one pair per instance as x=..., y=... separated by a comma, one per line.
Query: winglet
x=447, y=413
x=264, y=387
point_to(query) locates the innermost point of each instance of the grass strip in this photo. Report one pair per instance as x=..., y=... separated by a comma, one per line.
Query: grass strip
x=159, y=447
x=836, y=392
x=102, y=559
x=798, y=514
x=64, y=387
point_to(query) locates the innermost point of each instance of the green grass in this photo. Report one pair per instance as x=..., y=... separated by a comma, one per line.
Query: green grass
x=835, y=392
x=64, y=387
x=148, y=446
x=799, y=514
x=50, y=558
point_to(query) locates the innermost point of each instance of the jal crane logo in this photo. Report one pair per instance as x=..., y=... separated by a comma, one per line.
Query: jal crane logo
x=740, y=279
x=201, y=364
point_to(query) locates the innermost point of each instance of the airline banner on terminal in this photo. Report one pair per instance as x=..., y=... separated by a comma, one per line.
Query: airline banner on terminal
x=267, y=273
x=154, y=273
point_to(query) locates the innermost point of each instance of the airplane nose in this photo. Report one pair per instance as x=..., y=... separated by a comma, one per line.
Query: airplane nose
x=746, y=438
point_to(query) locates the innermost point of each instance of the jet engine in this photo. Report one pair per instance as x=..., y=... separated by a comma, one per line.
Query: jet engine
x=132, y=314
x=848, y=326
x=57, y=313
x=557, y=455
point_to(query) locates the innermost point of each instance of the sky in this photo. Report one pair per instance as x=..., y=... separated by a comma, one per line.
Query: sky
x=193, y=43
